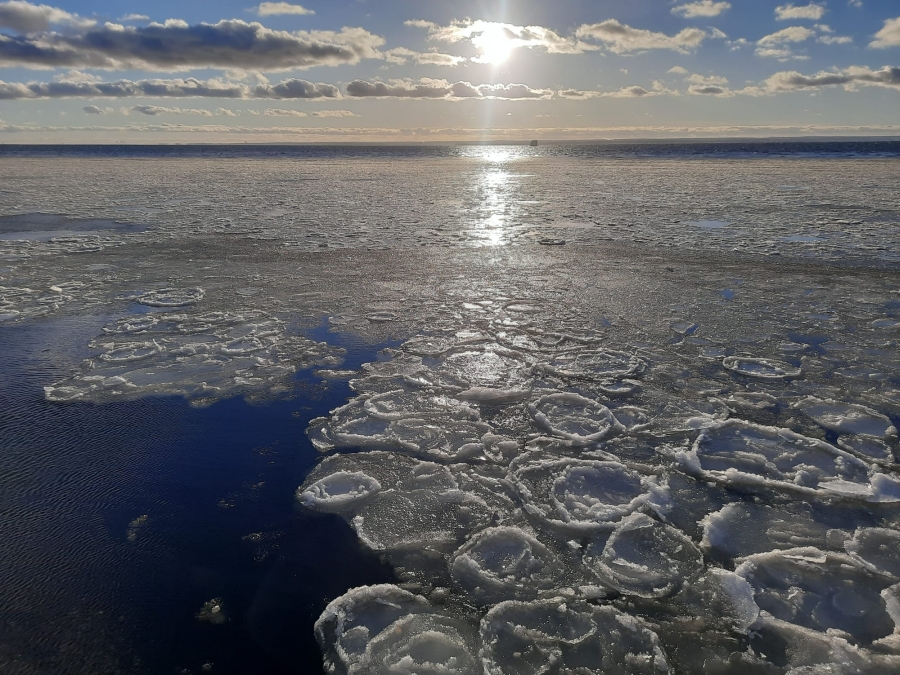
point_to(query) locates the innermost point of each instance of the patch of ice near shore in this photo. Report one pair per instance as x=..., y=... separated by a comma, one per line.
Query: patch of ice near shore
x=555, y=489
x=202, y=357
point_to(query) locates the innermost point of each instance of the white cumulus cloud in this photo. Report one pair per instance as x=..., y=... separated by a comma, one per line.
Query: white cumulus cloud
x=703, y=8
x=280, y=8
x=790, y=11
x=888, y=36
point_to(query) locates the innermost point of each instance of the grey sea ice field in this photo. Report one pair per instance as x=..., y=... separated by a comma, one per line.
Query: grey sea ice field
x=667, y=446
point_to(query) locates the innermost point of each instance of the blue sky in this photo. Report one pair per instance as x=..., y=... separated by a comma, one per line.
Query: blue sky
x=420, y=70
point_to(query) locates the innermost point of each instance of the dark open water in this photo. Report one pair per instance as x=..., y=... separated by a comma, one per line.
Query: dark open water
x=216, y=485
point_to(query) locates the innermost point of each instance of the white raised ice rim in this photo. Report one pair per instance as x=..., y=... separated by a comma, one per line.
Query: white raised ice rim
x=338, y=491
x=824, y=595
x=746, y=455
x=847, y=418
x=645, y=557
x=581, y=496
x=502, y=563
x=579, y=420
x=171, y=297
x=766, y=369
x=530, y=638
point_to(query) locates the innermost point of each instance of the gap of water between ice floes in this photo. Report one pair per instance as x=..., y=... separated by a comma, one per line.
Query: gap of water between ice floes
x=153, y=508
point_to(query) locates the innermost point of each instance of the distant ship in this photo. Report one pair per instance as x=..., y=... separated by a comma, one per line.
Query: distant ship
x=533, y=144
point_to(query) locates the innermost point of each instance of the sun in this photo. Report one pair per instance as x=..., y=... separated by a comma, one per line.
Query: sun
x=495, y=43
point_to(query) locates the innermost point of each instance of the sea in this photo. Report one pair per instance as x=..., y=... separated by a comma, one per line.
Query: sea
x=614, y=407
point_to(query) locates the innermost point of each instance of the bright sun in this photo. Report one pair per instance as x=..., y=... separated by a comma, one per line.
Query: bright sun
x=495, y=45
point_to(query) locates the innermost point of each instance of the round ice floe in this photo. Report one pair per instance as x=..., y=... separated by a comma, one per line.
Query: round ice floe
x=645, y=557
x=594, y=365
x=487, y=373
x=533, y=638
x=752, y=400
x=878, y=549
x=579, y=420
x=822, y=591
x=171, y=297
x=242, y=346
x=420, y=517
x=131, y=351
x=541, y=341
x=869, y=448
x=741, y=529
x=400, y=404
x=453, y=440
x=133, y=324
x=504, y=563
x=580, y=496
x=847, y=418
x=766, y=369
x=428, y=345
x=748, y=455
x=338, y=492
x=351, y=622
x=632, y=419
x=422, y=644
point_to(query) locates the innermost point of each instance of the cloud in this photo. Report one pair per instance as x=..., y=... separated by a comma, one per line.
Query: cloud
x=401, y=55
x=174, y=88
x=849, y=78
x=888, y=36
x=278, y=112
x=620, y=38
x=835, y=39
x=678, y=70
x=483, y=34
x=513, y=91
x=153, y=110
x=790, y=11
x=702, y=8
x=279, y=8
x=334, y=113
x=134, y=17
x=707, y=80
x=710, y=90
x=294, y=88
x=633, y=91
x=27, y=18
x=95, y=110
x=442, y=89
x=855, y=3
x=792, y=34
x=776, y=45
x=176, y=45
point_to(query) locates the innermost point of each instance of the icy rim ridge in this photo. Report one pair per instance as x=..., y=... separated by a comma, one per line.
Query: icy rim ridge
x=547, y=510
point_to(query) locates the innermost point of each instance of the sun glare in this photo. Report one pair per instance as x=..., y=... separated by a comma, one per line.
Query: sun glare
x=495, y=44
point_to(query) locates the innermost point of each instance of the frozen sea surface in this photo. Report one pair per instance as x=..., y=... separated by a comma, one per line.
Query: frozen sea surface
x=277, y=413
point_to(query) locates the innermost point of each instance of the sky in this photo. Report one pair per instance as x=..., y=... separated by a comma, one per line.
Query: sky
x=228, y=71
